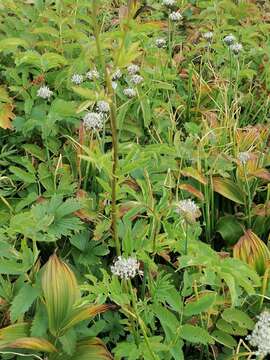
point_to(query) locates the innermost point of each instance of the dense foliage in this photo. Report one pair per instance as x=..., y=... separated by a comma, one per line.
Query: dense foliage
x=134, y=179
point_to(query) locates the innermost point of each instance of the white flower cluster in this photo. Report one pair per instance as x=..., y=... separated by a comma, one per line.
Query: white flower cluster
x=126, y=268
x=93, y=121
x=244, y=156
x=261, y=334
x=229, y=39
x=117, y=75
x=161, y=43
x=44, y=92
x=129, y=92
x=175, y=16
x=236, y=48
x=92, y=75
x=136, y=79
x=188, y=209
x=208, y=35
x=77, y=79
x=169, y=3
x=103, y=106
x=133, y=69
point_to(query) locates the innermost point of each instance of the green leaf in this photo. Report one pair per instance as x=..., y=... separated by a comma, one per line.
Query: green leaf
x=22, y=301
x=229, y=190
x=230, y=229
x=35, y=151
x=68, y=341
x=201, y=305
x=224, y=339
x=23, y=175
x=233, y=315
x=12, y=43
x=195, y=334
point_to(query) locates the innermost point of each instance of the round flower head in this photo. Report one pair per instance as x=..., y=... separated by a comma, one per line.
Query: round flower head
x=188, y=209
x=103, y=106
x=260, y=335
x=130, y=92
x=44, y=92
x=93, y=121
x=136, y=79
x=236, y=48
x=133, y=69
x=229, y=39
x=77, y=79
x=126, y=268
x=117, y=75
x=169, y=3
x=175, y=16
x=161, y=43
x=244, y=156
x=92, y=75
x=208, y=36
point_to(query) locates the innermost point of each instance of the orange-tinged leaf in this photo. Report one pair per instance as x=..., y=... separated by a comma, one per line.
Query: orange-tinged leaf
x=85, y=313
x=31, y=343
x=6, y=115
x=192, y=190
x=229, y=190
x=262, y=174
x=195, y=174
x=13, y=332
x=252, y=250
x=92, y=349
x=60, y=291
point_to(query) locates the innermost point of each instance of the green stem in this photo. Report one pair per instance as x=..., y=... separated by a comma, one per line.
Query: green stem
x=113, y=123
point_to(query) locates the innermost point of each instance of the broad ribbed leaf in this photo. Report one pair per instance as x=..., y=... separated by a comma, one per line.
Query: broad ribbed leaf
x=61, y=292
x=229, y=190
x=14, y=332
x=91, y=349
x=30, y=343
x=85, y=313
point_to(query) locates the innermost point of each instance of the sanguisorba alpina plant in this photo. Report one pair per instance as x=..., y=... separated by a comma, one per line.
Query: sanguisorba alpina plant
x=252, y=250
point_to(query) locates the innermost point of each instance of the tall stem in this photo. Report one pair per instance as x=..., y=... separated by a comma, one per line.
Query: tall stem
x=113, y=123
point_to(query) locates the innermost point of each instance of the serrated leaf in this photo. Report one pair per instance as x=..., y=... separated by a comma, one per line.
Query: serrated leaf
x=195, y=334
x=23, y=175
x=233, y=315
x=68, y=341
x=224, y=339
x=22, y=301
x=202, y=304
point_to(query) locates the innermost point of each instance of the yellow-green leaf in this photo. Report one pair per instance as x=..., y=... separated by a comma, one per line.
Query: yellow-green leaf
x=30, y=343
x=61, y=292
x=85, y=313
x=229, y=190
x=195, y=174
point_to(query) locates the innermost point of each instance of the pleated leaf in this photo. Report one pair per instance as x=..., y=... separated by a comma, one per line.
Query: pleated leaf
x=60, y=291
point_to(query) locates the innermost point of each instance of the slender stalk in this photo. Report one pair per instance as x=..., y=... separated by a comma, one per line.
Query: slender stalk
x=96, y=32
x=113, y=123
x=186, y=238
